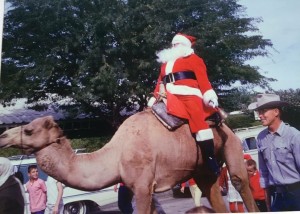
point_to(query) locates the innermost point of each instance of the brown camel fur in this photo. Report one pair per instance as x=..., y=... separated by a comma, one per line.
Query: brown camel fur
x=143, y=154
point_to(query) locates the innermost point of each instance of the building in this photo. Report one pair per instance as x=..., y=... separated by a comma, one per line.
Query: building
x=82, y=125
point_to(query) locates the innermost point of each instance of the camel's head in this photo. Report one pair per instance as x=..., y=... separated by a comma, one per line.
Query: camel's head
x=32, y=137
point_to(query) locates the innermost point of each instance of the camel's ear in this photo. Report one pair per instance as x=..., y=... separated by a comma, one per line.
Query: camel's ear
x=49, y=122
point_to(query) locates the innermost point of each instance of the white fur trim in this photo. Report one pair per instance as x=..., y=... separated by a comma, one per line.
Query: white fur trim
x=183, y=90
x=205, y=134
x=209, y=95
x=188, y=52
x=181, y=40
x=169, y=66
x=151, y=101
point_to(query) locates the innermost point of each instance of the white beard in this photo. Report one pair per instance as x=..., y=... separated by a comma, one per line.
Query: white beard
x=171, y=54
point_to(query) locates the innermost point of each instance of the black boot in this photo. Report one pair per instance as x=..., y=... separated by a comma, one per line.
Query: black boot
x=207, y=148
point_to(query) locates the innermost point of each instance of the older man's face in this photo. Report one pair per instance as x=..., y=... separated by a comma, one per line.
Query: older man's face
x=268, y=116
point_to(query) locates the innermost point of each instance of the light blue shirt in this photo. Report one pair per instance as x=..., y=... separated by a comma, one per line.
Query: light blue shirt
x=279, y=156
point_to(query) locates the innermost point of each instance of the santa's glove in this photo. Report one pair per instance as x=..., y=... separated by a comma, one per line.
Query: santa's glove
x=151, y=101
x=213, y=102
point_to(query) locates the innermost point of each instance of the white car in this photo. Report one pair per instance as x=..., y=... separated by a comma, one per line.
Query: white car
x=248, y=137
x=75, y=201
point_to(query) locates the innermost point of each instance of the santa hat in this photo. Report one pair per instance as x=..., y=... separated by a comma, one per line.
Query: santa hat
x=247, y=157
x=184, y=39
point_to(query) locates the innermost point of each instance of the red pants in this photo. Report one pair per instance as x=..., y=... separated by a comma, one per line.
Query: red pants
x=197, y=112
x=236, y=207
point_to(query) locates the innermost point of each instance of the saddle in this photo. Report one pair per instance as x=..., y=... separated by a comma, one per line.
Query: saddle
x=172, y=122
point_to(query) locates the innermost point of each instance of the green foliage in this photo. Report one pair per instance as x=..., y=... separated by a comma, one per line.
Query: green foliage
x=241, y=121
x=103, y=51
x=241, y=99
x=9, y=152
x=291, y=113
x=91, y=144
x=235, y=99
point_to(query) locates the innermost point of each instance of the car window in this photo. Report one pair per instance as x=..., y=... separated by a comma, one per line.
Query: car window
x=249, y=143
x=24, y=170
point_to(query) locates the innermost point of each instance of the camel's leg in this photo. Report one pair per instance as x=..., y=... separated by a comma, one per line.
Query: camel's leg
x=143, y=190
x=209, y=185
x=153, y=209
x=143, y=199
x=233, y=153
x=241, y=183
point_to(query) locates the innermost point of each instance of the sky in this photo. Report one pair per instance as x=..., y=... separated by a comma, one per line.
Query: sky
x=281, y=25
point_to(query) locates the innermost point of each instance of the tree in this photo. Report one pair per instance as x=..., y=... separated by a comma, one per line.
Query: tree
x=237, y=99
x=291, y=113
x=101, y=53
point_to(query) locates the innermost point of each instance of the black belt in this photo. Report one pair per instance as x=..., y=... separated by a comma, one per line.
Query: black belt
x=172, y=77
x=285, y=187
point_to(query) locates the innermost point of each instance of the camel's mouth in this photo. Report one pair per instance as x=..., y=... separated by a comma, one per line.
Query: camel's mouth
x=24, y=150
x=4, y=146
x=3, y=143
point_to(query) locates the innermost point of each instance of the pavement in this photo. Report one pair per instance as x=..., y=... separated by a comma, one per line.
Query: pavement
x=170, y=204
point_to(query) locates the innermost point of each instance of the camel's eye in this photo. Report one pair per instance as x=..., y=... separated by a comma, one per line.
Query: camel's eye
x=28, y=132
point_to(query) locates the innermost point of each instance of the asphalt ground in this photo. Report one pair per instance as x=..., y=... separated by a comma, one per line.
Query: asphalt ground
x=170, y=204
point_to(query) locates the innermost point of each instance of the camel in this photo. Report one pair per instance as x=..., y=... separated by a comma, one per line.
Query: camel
x=143, y=154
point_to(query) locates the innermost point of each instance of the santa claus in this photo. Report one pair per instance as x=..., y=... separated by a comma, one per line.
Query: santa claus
x=189, y=92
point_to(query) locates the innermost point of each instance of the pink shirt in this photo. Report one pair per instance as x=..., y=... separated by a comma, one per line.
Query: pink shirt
x=37, y=195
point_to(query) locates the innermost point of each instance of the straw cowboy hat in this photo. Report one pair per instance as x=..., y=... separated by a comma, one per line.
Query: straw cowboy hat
x=265, y=101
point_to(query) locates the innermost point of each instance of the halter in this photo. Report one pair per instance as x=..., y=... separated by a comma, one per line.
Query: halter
x=22, y=156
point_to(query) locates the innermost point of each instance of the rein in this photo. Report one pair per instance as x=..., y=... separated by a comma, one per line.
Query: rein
x=21, y=139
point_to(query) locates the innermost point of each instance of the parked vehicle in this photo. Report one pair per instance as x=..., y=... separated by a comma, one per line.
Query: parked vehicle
x=75, y=201
x=248, y=137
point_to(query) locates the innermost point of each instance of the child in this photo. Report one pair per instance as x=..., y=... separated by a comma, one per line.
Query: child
x=236, y=204
x=257, y=192
x=235, y=201
x=37, y=190
x=195, y=191
x=124, y=198
x=54, y=196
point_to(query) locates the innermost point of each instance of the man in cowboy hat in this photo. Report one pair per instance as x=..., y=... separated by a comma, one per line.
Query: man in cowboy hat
x=278, y=155
x=189, y=92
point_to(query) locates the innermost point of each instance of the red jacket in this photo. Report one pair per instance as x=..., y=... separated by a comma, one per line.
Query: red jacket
x=197, y=91
x=257, y=192
x=223, y=179
x=191, y=182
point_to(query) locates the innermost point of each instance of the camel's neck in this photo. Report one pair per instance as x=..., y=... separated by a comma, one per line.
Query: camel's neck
x=91, y=171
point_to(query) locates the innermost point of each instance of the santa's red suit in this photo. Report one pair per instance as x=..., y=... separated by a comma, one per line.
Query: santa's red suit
x=189, y=98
